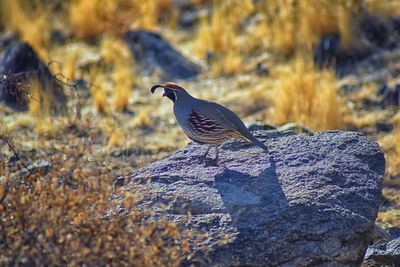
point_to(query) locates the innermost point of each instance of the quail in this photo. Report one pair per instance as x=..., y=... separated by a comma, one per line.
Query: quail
x=206, y=122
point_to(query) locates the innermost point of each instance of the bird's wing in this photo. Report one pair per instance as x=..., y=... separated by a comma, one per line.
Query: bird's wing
x=203, y=124
x=220, y=117
x=223, y=116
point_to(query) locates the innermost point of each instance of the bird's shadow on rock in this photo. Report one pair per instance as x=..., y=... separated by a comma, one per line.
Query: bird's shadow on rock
x=235, y=145
x=244, y=195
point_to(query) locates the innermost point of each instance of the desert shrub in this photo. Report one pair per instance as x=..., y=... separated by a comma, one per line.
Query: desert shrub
x=66, y=217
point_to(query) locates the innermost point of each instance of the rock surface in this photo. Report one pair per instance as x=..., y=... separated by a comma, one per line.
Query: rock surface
x=384, y=253
x=311, y=202
x=153, y=53
x=20, y=66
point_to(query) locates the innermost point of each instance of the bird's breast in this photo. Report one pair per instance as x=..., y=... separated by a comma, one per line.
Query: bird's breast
x=182, y=116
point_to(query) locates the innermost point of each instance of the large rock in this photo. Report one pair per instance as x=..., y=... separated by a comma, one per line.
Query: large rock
x=311, y=202
x=153, y=53
x=20, y=67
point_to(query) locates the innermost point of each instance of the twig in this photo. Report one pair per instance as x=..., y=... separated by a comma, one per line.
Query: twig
x=8, y=142
x=60, y=77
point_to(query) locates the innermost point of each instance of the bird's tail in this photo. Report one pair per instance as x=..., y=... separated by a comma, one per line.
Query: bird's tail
x=254, y=140
x=258, y=143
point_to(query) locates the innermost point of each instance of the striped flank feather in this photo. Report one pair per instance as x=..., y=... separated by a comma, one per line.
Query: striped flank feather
x=206, y=130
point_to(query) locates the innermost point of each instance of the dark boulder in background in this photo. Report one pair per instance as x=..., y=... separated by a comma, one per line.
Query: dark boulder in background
x=6, y=39
x=312, y=201
x=389, y=96
x=375, y=33
x=19, y=67
x=153, y=53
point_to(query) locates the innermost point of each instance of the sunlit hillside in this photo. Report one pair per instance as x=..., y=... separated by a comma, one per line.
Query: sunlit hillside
x=320, y=65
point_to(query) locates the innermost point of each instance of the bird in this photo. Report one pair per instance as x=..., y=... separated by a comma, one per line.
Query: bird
x=206, y=122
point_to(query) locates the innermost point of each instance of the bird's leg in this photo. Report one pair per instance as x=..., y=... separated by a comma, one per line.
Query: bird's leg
x=216, y=154
x=205, y=154
x=213, y=162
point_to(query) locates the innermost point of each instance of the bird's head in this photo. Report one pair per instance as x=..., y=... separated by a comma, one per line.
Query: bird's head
x=171, y=90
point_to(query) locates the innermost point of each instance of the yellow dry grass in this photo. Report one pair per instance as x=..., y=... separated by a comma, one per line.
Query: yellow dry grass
x=84, y=19
x=143, y=119
x=390, y=218
x=299, y=26
x=396, y=122
x=32, y=25
x=98, y=92
x=385, y=8
x=88, y=19
x=69, y=65
x=117, y=16
x=114, y=133
x=307, y=96
x=151, y=11
x=40, y=107
x=115, y=53
x=100, y=100
x=219, y=35
x=113, y=50
x=123, y=82
x=398, y=151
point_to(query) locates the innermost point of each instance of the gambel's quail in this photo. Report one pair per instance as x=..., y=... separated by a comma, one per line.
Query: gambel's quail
x=206, y=122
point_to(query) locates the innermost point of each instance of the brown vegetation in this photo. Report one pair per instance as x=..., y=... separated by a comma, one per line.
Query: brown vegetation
x=64, y=217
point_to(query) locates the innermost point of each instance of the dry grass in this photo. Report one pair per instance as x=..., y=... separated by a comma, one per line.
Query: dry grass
x=386, y=8
x=116, y=54
x=117, y=16
x=287, y=27
x=150, y=12
x=98, y=89
x=143, y=118
x=41, y=104
x=123, y=82
x=111, y=16
x=69, y=66
x=59, y=218
x=398, y=152
x=219, y=35
x=114, y=133
x=307, y=96
x=396, y=122
x=32, y=25
x=293, y=27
